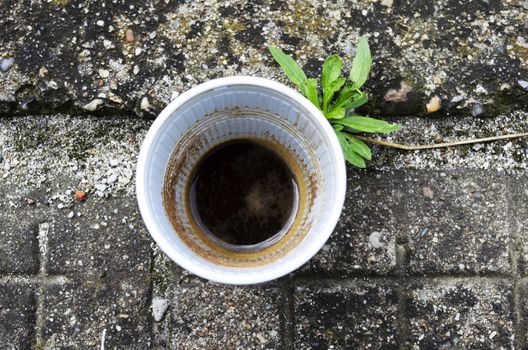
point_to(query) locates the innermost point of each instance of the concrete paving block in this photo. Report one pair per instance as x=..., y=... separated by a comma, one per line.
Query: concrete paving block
x=357, y=315
x=19, y=228
x=461, y=314
x=17, y=316
x=457, y=222
x=209, y=316
x=83, y=314
x=108, y=237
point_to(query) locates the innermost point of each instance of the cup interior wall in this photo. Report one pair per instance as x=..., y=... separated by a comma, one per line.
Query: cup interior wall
x=233, y=112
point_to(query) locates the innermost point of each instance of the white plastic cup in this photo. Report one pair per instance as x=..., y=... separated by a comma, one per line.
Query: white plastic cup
x=231, y=108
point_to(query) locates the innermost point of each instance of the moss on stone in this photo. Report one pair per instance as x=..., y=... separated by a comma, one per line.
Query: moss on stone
x=60, y=2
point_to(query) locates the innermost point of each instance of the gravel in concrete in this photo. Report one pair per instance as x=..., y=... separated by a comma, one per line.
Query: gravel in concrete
x=209, y=316
x=17, y=315
x=461, y=315
x=357, y=315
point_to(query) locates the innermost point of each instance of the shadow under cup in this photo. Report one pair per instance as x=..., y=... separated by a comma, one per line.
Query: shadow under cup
x=271, y=118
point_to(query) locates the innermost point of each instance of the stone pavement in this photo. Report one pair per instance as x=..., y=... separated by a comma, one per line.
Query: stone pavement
x=427, y=254
x=135, y=56
x=431, y=251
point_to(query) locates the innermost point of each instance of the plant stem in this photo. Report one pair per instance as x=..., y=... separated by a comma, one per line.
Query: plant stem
x=440, y=145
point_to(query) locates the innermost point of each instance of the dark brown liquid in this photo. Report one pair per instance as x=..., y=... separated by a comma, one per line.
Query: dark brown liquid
x=242, y=192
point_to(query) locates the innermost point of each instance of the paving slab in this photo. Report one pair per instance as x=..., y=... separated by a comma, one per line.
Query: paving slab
x=458, y=222
x=101, y=271
x=358, y=315
x=461, y=314
x=521, y=334
x=209, y=316
x=86, y=313
x=101, y=236
x=435, y=222
x=17, y=315
x=19, y=248
x=136, y=57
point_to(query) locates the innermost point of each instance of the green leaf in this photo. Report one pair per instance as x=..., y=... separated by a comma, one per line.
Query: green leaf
x=361, y=63
x=345, y=95
x=330, y=91
x=331, y=72
x=336, y=113
x=359, y=146
x=311, y=92
x=358, y=101
x=337, y=127
x=350, y=155
x=290, y=67
x=366, y=124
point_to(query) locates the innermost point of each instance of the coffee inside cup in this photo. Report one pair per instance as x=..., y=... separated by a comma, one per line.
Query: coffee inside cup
x=243, y=193
x=240, y=187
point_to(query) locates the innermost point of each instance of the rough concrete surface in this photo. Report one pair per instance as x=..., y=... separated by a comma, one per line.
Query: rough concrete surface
x=431, y=248
x=324, y=316
x=415, y=247
x=136, y=56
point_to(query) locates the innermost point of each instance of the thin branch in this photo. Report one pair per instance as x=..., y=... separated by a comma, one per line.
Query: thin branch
x=440, y=145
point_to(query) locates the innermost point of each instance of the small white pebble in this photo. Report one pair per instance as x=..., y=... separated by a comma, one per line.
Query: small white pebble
x=111, y=179
x=100, y=23
x=261, y=338
x=374, y=240
x=6, y=63
x=108, y=44
x=159, y=307
x=92, y=105
x=481, y=89
x=492, y=335
x=71, y=215
x=145, y=104
x=104, y=73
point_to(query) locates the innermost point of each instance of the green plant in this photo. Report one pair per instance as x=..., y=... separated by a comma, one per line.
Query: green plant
x=339, y=98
